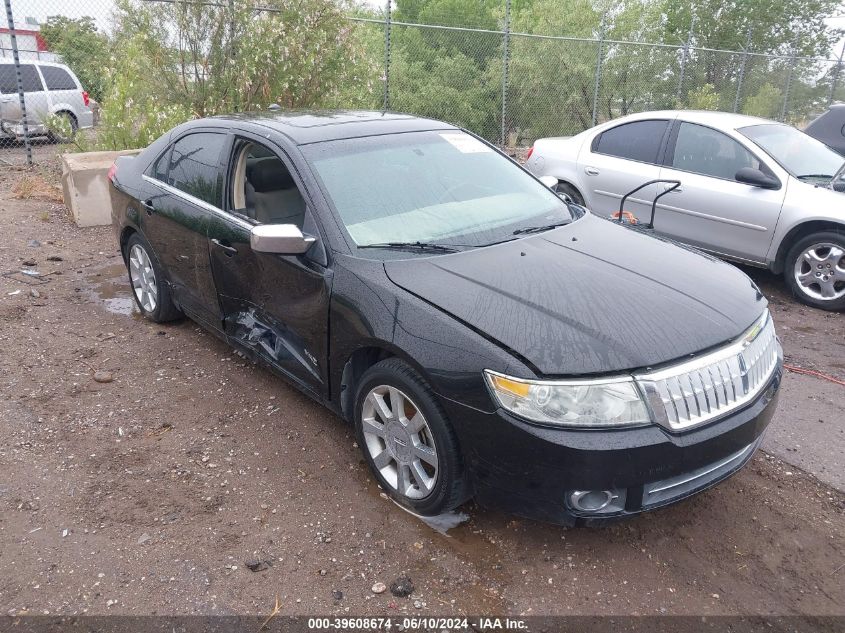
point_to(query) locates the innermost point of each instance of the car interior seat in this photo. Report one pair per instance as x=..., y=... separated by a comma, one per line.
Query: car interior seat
x=270, y=193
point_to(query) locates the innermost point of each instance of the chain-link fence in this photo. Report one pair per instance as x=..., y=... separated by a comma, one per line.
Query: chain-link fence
x=102, y=74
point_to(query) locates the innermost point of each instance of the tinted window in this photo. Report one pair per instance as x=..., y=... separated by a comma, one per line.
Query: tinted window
x=703, y=150
x=31, y=80
x=58, y=78
x=194, y=163
x=635, y=141
x=9, y=81
x=159, y=168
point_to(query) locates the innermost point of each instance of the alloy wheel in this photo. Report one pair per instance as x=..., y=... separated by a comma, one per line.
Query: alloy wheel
x=400, y=442
x=143, y=278
x=819, y=271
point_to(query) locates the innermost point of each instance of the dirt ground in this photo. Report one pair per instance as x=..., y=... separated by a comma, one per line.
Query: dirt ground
x=148, y=494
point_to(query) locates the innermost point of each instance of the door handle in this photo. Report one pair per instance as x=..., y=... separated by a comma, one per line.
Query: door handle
x=675, y=190
x=148, y=206
x=229, y=250
x=591, y=171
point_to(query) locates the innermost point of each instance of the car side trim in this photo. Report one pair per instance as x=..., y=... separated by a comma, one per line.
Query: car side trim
x=715, y=218
x=194, y=200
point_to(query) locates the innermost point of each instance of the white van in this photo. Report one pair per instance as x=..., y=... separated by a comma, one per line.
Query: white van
x=49, y=88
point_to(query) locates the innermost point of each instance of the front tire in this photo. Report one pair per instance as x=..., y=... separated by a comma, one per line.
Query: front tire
x=815, y=270
x=572, y=192
x=149, y=288
x=406, y=439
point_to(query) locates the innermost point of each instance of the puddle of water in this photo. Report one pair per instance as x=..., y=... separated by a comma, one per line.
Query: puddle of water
x=109, y=286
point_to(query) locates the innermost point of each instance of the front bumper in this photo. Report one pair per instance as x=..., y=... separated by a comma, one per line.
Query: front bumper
x=529, y=470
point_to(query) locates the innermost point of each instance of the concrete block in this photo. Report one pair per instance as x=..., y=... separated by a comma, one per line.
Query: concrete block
x=85, y=185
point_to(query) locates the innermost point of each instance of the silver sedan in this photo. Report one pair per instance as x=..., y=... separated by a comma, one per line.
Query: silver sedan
x=752, y=190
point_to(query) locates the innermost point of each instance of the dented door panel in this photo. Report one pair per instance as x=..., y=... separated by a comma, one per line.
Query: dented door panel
x=274, y=307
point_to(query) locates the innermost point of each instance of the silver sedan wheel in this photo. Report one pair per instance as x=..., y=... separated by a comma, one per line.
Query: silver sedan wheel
x=143, y=278
x=820, y=271
x=400, y=442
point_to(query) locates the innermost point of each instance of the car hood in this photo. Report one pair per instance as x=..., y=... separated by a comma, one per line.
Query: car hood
x=588, y=298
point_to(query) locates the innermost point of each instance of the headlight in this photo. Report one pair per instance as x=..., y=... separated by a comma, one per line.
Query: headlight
x=575, y=403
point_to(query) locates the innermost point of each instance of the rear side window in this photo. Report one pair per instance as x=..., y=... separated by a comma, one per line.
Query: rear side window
x=159, y=169
x=31, y=80
x=9, y=81
x=195, y=166
x=57, y=78
x=638, y=141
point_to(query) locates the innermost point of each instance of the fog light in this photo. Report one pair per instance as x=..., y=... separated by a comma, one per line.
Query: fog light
x=597, y=501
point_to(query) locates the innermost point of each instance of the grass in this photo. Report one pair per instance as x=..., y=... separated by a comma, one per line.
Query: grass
x=35, y=187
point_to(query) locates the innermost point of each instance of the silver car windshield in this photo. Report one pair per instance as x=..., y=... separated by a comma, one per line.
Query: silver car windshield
x=801, y=155
x=440, y=187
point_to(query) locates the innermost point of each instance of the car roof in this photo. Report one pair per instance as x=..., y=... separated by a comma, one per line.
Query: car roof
x=312, y=126
x=721, y=120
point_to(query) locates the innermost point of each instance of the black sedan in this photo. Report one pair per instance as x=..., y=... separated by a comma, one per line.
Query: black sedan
x=485, y=337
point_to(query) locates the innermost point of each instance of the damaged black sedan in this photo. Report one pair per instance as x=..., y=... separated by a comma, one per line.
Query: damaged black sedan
x=485, y=337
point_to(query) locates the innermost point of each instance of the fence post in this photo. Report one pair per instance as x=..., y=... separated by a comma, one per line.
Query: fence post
x=742, y=70
x=506, y=54
x=387, y=35
x=788, y=86
x=684, y=56
x=21, y=98
x=835, y=80
x=598, y=67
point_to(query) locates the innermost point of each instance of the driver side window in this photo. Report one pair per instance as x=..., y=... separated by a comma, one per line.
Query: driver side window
x=263, y=189
x=703, y=150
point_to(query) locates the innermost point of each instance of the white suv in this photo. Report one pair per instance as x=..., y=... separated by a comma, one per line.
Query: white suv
x=48, y=89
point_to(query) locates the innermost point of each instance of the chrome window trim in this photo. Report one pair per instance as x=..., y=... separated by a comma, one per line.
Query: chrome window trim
x=194, y=200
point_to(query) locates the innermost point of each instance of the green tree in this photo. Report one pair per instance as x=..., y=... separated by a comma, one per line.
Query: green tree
x=221, y=57
x=82, y=47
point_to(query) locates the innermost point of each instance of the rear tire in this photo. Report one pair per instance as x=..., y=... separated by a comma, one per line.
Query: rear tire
x=149, y=286
x=70, y=122
x=413, y=452
x=572, y=192
x=814, y=270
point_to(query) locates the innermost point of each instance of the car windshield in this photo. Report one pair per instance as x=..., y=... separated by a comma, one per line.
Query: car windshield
x=801, y=155
x=423, y=188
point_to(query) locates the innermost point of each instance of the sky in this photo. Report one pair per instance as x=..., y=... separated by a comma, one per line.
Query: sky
x=100, y=10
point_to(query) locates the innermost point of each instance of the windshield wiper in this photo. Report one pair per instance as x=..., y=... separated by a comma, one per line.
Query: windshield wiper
x=539, y=229
x=826, y=176
x=420, y=246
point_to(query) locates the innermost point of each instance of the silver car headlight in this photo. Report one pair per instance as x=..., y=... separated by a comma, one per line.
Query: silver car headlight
x=611, y=402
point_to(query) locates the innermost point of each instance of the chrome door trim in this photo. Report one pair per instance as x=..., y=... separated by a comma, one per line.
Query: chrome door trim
x=196, y=201
x=715, y=218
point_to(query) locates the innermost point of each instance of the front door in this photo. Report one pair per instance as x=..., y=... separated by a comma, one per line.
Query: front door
x=275, y=307
x=711, y=209
x=184, y=190
x=35, y=99
x=619, y=160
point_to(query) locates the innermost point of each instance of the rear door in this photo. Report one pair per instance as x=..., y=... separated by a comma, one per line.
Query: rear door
x=620, y=159
x=63, y=91
x=184, y=190
x=275, y=306
x=711, y=209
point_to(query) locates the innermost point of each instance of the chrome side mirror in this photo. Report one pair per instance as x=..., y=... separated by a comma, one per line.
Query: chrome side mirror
x=281, y=239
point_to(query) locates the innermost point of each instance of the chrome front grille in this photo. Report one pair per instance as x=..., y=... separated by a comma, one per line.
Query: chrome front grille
x=699, y=390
